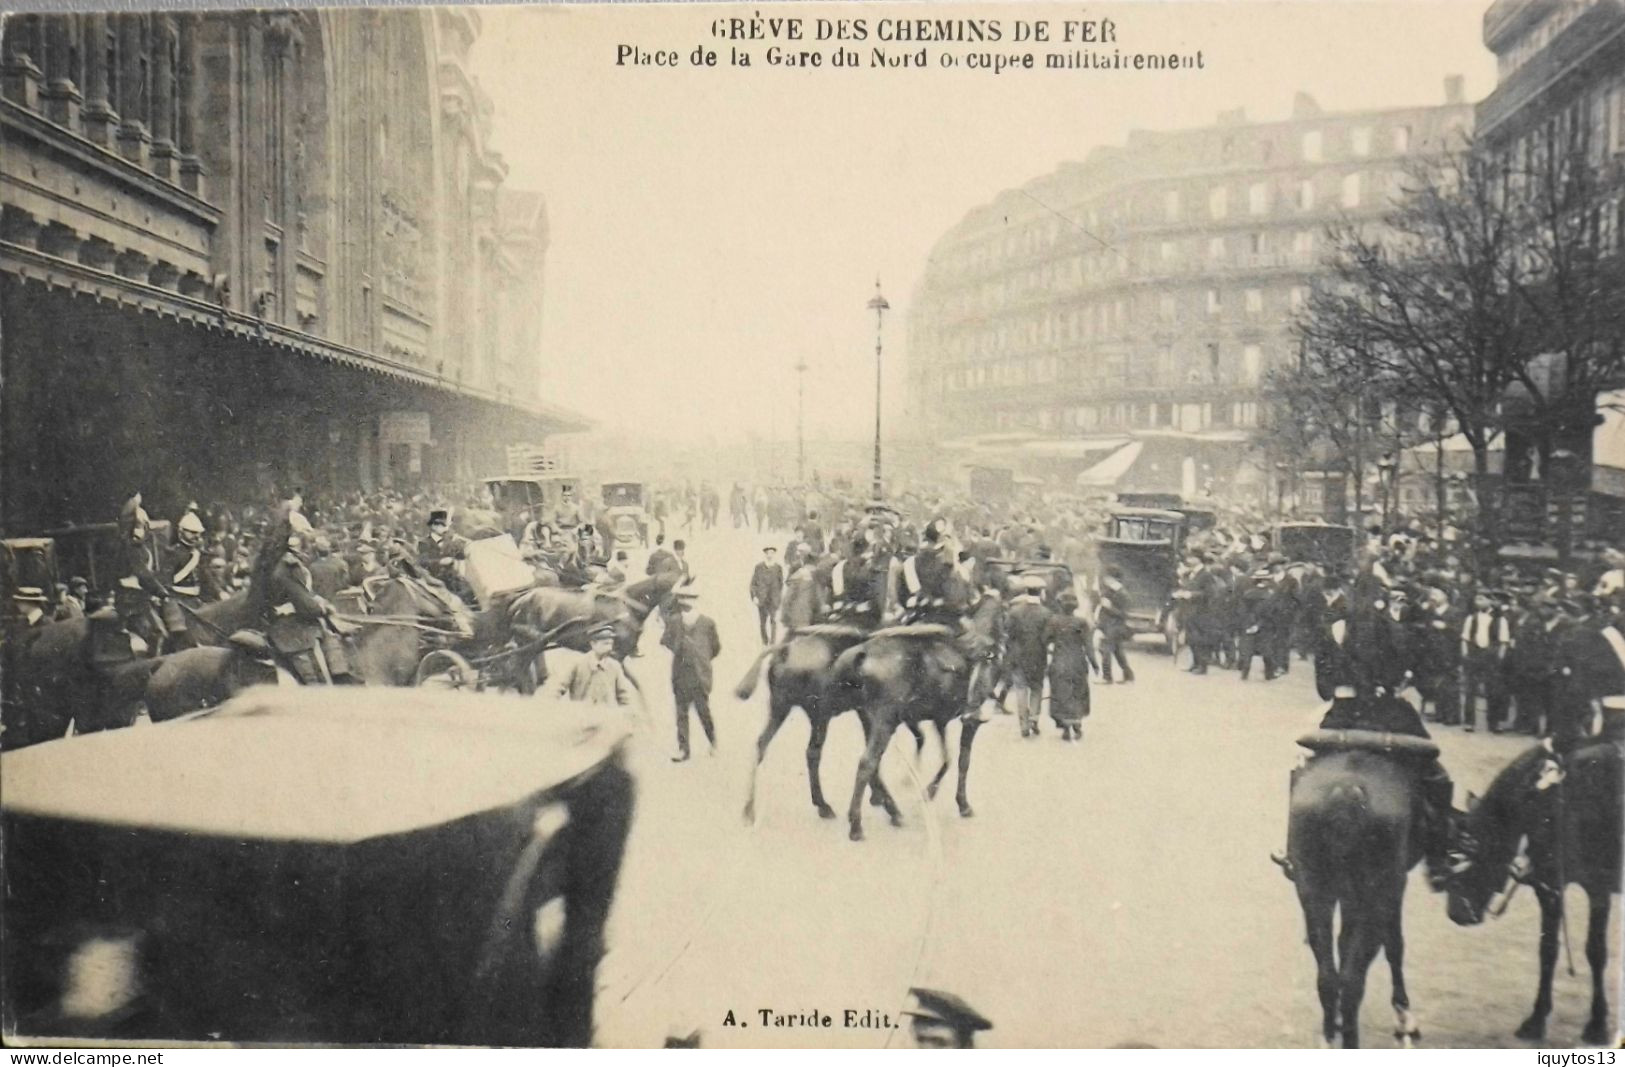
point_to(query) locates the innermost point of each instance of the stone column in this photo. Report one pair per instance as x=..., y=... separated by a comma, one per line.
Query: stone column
x=189, y=81
x=163, y=98
x=20, y=68
x=98, y=118
x=61, y=92
x=134, y=138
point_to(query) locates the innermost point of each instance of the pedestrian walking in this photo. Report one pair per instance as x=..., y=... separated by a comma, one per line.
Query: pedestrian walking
x=1067, y=639
x=766, y=592
x=692, y=639
x=1026, y=651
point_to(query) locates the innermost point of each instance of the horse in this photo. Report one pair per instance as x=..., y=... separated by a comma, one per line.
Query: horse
x=566, y=617
x=800, y=675
x=909, y=675
x=388, y=653
x=53, y=682
x=1352, y=840
x=1567, y=819
x=215, y=622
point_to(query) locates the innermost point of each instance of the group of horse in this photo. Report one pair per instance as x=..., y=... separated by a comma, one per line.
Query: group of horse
x=1546, y=820
x=404, y=623
x=909, y=675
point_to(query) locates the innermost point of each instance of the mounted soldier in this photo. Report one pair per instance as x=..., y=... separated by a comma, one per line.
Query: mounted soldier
x=934, y=591
x=186, y=574
x=138, y=586
x=296, y=620
x=857, y=592
x=1360, y=667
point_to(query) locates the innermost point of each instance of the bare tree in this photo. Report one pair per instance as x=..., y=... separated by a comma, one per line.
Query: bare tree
x=1420, y=304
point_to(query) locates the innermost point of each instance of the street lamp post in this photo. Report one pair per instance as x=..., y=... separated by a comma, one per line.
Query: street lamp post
x=1385, y=469
x=878, y=305
x=801, y=425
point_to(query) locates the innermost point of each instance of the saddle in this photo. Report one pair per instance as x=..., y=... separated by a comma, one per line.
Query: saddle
x=1321, y=742
x=916, y=630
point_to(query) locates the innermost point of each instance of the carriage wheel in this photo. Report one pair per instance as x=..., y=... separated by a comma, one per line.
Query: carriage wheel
x=447, y=670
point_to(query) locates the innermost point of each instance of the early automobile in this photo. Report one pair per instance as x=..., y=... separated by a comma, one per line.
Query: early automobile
x=310, y=865
x=1321, y=543
x=625, y=515
x=1145, y=545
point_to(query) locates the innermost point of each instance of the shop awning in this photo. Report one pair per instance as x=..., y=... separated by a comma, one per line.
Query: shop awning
x=1110, y=470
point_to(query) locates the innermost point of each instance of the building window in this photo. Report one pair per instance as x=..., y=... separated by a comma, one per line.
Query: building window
x=1258, y=195
x=1402, y=139
x=1303, y=242
x=1306, y=195
x=1351, y=190
x=1214, y=303
x=1165, y=307
x=1213, y=361
x=1299, y=297
x=1255, y=302
x=1215, y=248
x=1170, y=205
x=1252, y=363
x=1169, y=251
x=1218, y=203
x=1360, y=138
x=1311, y=146
x=1258, y=243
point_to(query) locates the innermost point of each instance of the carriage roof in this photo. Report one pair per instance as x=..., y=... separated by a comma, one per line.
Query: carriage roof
x=367, y=764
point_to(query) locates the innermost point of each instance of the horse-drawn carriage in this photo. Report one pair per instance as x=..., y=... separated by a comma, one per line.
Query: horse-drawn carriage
x=1144, y=545
x=554, y=499
x=625, y=516
x=387, y=867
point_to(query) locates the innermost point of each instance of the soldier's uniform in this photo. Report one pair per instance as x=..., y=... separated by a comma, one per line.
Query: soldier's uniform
x=932, y=594
x=294, y=617
x=1359, y=667
x=856, y=594
x=138, y=585
x=186, y=566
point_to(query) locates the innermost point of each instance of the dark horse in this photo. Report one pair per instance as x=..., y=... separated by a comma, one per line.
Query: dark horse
x=564, y=618
x=801, y=674
x=1568, y=821
x=52, y=681
x=909, y=675
x=1352, y=839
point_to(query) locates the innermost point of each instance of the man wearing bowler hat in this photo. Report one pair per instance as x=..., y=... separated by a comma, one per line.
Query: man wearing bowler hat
x=942, y=1020
x=692, y=638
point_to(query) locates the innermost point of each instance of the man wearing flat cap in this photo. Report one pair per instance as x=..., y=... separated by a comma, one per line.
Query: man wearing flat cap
x=597, y=677
x=942, y=1020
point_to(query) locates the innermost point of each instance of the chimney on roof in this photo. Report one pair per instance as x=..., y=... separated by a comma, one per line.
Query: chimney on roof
x=1235, y=117
x=1452, y=89
x=1304, y=106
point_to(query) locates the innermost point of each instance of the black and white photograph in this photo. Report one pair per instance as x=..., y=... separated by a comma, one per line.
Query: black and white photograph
x=1172, y=590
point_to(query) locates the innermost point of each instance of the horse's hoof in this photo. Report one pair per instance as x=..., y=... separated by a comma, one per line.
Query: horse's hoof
x=1533, y=1029
x=1596, y=1033
x=930, y=792
x=826, y=812
x=965, y=810
x=896, y=818
x=876, y=802
x=749, y=814
x=855, y=834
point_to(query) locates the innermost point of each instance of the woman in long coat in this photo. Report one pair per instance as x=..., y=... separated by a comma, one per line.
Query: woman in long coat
x=1071, y=658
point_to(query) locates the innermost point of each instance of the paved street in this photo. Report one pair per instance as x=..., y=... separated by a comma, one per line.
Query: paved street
x=1117, y=891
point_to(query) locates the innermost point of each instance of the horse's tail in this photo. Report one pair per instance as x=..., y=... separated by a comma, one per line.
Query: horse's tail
x=747, y=685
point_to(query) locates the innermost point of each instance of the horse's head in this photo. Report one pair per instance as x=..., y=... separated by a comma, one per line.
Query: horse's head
x=426, y=600
x=1493, y=831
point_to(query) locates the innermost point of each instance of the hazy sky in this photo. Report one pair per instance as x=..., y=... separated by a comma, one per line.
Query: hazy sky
x=710, y=227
